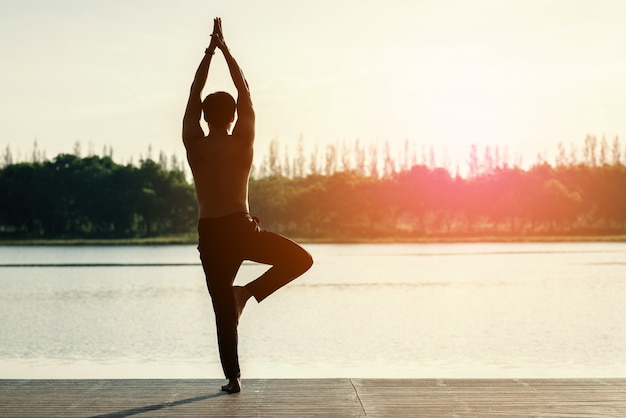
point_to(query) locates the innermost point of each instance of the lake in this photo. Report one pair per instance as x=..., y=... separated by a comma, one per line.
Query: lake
x=364, y=310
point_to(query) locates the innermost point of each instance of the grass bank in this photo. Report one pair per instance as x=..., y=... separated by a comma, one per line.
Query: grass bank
x=189, y=239
x=168, y=240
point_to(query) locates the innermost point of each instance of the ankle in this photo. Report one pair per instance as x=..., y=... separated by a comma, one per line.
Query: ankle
x=233, y=386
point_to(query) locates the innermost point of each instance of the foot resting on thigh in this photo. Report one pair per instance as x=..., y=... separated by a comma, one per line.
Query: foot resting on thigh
x=242, y=294
x=233, y=386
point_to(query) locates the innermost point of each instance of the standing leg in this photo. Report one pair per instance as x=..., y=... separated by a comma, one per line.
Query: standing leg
x=220, y=273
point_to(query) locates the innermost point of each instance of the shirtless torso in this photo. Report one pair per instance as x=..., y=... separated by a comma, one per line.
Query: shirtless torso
x=221, y=165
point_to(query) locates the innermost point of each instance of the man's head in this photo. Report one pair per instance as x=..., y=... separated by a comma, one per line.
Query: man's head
x=219, y=109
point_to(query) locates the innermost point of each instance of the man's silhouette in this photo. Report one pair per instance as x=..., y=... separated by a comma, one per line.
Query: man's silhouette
x=228, y=235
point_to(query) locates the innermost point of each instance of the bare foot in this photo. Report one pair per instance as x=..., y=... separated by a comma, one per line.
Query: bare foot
x=233, y=386
x=242, y=294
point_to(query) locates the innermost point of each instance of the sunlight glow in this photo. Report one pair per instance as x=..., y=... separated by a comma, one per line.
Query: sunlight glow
x=521, y=74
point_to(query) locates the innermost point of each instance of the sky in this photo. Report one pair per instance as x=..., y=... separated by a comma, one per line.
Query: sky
x=522, y=75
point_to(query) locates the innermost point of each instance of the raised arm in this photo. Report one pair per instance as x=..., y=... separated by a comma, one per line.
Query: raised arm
x=193, y=112
x=244, y=127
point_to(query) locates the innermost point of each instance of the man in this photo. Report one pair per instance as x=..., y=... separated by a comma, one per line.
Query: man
x=228, y=235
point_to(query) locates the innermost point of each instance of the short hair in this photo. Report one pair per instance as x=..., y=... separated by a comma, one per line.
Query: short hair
x=219, y=109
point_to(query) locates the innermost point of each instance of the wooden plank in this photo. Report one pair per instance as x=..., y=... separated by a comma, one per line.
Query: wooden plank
x=168, y=397
x=316, y=397
x=501, y=398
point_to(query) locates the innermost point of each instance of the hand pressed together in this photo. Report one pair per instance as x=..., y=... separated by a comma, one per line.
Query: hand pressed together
x=217, y=37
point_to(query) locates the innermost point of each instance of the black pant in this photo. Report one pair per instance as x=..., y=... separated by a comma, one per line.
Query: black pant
x=224, y=243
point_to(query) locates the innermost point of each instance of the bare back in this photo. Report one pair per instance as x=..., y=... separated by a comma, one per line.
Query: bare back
x=221, y=165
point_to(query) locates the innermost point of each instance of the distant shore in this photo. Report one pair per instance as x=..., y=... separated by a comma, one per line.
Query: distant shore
x=192, y=239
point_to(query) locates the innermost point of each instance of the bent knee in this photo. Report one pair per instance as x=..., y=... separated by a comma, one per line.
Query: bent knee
x=305, y=261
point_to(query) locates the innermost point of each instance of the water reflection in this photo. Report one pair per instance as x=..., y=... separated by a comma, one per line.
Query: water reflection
x=399, y=310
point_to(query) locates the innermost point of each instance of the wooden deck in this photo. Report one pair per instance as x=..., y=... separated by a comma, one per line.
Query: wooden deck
x=316, y=397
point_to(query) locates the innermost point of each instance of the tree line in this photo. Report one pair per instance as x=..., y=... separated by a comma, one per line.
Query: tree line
x=347, y=193
x=94, y=197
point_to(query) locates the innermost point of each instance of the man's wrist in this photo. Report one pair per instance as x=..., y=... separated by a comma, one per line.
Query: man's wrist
x=209, y=51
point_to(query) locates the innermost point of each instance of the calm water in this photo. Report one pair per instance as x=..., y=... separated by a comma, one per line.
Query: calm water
x=395, y=310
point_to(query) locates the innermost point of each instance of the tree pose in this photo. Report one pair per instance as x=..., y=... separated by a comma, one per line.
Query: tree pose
x=221, y=162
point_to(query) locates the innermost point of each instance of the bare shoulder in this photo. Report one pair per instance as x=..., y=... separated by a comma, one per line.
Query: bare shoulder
x=242, y=142
x=194, y=142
